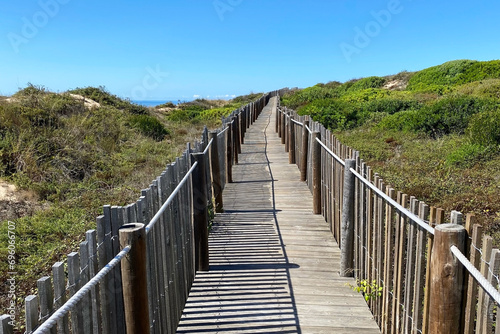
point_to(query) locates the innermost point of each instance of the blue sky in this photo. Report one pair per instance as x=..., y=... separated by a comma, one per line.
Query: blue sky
x=181, y=48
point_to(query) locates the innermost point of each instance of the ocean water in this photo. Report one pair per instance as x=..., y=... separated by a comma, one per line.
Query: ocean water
x=154, y=103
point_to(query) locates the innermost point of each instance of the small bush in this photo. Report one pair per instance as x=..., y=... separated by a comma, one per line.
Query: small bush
x=335, y=114
x=452, y=114
x=149, y=126
x=467, y=155
x=366, y=83
x=406, y=121
x=390, y=105
x=484, y=128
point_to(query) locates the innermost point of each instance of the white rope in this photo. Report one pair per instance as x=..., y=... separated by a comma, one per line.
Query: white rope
x=336, y=157
x=488, y=288
x=170, y=198
x=395, y=204
x=297, y=122
x=225, y=129
x=308, y=129
x=63, y=310
x=208, y=146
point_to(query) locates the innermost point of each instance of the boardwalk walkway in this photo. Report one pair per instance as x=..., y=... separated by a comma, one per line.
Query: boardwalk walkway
x=273, y=264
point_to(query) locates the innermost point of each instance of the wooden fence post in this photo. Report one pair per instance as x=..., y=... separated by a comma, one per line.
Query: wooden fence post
x=291, y=142
x=283, y=126
x=5, y=327
x=278, y=120
x=134, y=278
x=200, y=215
x=304, y=151
x=277, y=115
x=347, y=238
x=447, y=275
x=235, y=140
x=229, y=153
x=216, y=179
x=316, y=172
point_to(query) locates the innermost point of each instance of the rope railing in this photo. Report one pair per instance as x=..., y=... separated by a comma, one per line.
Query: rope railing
x=71, y=303
x=170, y=198
x=297, y=122
x=336, y=157
x=481, y=280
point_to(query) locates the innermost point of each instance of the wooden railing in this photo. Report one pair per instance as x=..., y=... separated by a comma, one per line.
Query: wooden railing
x=386, y=239
x=91, y=293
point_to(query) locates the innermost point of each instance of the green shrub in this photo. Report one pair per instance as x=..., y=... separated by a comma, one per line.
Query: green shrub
x=452, y=114
x=445, y=74
x=390, y=105
x=467, y=155
x=364, y=95
x=296, y=99
x=489, y=88
x=484, y=128
x=441, y=78
x=105, y=98
x=479, y=71
x=407, y=121
x=335, y=114
x=149, y=126
x=366, y=83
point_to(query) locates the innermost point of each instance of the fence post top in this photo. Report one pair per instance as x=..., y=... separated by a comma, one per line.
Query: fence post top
x=449, y=228
x=131, y=227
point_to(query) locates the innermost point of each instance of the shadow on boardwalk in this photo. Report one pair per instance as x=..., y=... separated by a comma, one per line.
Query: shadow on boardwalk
x=273, y=264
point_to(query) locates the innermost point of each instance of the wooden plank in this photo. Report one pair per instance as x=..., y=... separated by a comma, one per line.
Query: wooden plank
x=420, y=271
x=102, y=260
x=370, y=230
x=400, y=281
x=31, y=313
x=74, y=286
x=486, y=250
x=84, y=278
x=5, y=324
x=430, y=241
x=91, y=238
x=46, y=299
x=389, y=264
x=410, y=268
x=488, y=304
x=380, y=247
x=475, y=259
x=59, y=278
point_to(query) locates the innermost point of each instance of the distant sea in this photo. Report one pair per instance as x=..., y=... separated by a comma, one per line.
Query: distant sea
x=154, y=103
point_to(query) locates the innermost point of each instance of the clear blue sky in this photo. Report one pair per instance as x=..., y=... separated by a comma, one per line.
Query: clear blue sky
x=181, y=48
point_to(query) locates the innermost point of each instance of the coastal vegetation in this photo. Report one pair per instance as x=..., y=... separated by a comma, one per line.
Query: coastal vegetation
x=434, y=134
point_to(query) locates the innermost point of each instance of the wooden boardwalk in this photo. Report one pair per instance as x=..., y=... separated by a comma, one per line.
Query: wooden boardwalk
x=273, y=263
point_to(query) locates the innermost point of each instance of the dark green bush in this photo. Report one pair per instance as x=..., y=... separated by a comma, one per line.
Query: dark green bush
x=452, y=114
x=335, y=114
x=407, y=121
x=390, y=105
x=149, y=126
